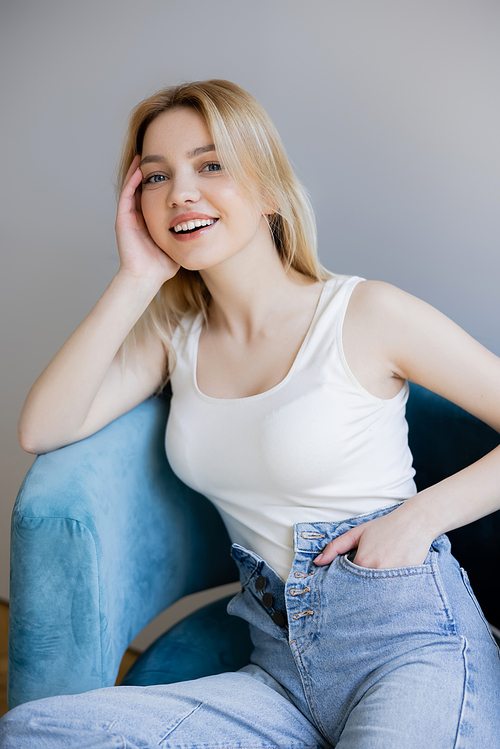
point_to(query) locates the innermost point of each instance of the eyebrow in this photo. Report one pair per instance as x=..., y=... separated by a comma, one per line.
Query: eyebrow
x=156, y=159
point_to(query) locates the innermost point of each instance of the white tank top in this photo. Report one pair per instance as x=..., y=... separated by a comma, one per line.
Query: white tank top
x=316, y=447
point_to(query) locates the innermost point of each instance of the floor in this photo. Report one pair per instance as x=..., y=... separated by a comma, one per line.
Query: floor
x=128, y=659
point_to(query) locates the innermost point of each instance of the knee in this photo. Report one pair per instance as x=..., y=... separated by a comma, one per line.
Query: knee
x=55, y=722
x=14, y=728
x=34, y=725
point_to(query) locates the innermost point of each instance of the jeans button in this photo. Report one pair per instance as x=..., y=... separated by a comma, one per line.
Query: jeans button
x=279, y=618
x=267, y=600
x=260, y=583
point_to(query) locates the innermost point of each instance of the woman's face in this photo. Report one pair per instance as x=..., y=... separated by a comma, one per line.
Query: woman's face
x=193, y=210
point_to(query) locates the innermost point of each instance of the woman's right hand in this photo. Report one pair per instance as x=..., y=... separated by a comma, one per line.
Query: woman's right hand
x=140, y=256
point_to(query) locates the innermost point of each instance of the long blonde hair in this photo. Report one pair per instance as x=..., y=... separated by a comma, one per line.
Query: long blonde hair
x=248, y=145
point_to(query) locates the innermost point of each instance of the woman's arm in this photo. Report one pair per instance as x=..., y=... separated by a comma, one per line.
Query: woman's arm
x=85, y=386
x=409, y=339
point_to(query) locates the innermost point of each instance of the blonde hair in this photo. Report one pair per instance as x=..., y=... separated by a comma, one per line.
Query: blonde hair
x=248, y=144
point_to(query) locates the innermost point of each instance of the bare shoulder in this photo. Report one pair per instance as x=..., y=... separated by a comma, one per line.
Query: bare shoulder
x=392, y=315
x=419, y=343
x=380, y=297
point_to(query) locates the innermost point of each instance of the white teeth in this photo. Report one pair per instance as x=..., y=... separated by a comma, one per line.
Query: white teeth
x=196, y=224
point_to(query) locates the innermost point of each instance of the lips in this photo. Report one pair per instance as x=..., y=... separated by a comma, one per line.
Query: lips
x=184, y=218
x=192, y=225
x=191, y=234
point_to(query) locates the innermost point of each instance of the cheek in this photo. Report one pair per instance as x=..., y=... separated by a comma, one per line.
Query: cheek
x=152, y=216
x=147, y=207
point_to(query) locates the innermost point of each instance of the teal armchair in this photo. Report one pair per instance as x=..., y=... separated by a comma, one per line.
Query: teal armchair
x=105, y=537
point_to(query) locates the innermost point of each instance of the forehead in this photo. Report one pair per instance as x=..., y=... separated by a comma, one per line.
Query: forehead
x=183, y=128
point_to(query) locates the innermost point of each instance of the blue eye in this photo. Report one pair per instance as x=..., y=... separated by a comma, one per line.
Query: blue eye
x=154, y=179
x=214, y=166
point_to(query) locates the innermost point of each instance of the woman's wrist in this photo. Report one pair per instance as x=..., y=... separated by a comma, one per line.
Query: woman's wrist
x=422, y=512
x=142, y=289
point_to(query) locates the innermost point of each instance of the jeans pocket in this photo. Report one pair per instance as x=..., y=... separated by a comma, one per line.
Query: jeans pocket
x=347, y=561
x=401, y=601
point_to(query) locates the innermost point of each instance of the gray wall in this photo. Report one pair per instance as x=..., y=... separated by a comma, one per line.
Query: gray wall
x=389, y=109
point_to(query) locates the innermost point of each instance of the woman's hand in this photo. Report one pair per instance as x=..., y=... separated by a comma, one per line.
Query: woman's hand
x=140, y=256
x=392, y=540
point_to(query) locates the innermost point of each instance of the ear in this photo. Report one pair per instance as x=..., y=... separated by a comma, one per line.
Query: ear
x=267, y=206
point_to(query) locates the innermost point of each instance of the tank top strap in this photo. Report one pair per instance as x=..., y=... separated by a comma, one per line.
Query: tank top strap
x=326, y=328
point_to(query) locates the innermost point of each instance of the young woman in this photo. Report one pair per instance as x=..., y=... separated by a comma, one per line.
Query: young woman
x=289, y=388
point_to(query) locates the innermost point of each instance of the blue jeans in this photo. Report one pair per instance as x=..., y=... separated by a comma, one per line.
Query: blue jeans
x=344, y=656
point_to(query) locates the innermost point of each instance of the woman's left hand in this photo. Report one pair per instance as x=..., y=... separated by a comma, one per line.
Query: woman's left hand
x=389, y=541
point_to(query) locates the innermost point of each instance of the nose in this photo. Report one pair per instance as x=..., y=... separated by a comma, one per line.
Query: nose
x=183, y=190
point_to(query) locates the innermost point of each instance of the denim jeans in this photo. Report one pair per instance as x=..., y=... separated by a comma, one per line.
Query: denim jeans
x=344, y=656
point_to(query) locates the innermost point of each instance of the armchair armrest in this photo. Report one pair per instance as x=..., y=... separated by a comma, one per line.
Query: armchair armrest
x=104, y=537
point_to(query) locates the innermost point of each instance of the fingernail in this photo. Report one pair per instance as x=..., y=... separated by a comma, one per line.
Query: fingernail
x=318, y=558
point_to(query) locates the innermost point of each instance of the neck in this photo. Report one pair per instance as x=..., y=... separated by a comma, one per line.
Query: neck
x=248, y=289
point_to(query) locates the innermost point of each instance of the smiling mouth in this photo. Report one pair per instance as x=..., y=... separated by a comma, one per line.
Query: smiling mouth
x=189, y=227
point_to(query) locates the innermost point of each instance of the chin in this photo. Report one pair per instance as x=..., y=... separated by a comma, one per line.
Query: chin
x=193, y=265
x=198, y=264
